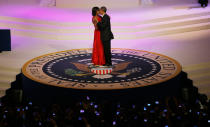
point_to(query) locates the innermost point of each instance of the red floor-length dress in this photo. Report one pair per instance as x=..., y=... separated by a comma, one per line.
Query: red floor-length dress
x=98, y=57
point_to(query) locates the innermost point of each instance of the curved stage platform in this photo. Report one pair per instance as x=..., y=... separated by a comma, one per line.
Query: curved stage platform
x=136, y=74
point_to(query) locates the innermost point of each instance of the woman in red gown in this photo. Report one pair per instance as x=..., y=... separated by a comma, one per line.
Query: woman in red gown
x=98, y=57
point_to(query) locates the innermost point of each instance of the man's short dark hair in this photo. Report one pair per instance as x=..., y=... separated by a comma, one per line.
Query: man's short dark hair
x=103, y=8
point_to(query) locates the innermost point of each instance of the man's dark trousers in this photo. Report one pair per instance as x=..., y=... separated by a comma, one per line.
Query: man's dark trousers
x=107, y=51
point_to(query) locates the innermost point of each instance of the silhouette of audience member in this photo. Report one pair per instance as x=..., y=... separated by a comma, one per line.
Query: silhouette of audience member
x=204, y=3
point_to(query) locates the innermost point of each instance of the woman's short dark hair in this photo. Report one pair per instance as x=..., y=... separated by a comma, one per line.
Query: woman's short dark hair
x=94, y=11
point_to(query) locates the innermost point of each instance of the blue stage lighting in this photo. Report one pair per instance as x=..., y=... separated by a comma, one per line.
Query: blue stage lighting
x=82, y=111
x=165, y=110
x=157, y=102
x=79, y=118
x=30, y=103
x=117, y=113
x=18, y=109
x=114, y=123
x=88, y=98
x=95, y=106
x=40, y=124
x=91, y=103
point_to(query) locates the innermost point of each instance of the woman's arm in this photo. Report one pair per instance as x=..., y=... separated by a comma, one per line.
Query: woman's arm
x=94, y=20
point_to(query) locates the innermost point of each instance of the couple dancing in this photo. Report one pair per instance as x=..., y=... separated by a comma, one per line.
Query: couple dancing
x=102, y=37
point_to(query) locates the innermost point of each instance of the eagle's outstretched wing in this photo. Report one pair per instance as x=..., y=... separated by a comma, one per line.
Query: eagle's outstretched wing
x=121, y=66
x=82, y=67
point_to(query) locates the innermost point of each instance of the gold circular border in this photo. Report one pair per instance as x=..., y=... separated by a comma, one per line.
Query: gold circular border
x=178, y=70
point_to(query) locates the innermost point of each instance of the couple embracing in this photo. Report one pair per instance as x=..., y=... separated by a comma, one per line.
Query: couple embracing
x=102, y=37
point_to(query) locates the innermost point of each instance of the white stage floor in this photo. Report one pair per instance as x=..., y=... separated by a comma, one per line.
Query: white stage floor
x=180, y=31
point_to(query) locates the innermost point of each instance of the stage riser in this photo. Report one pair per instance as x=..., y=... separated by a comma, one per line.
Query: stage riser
x=117, y=36
x=136, y=30
x=115, y=22
x=135, y=75
x=116, y=29
x=45, y=94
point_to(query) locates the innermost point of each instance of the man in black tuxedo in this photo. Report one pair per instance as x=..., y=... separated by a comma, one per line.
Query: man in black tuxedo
x=106, y=35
